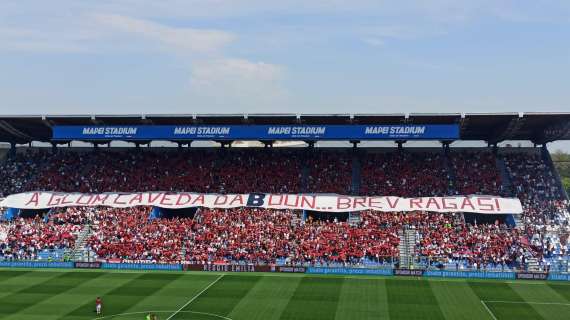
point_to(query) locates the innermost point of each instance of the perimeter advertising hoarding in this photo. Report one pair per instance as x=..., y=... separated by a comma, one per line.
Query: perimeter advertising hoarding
x=409, y=272
x=532, y=275
x=87, y=265
x=350, y=271
x=258, y=132
x=36, y=264
x=227, y=267
x=142, y=266
x=469, y=274
x=559, y=276
x=290, y=269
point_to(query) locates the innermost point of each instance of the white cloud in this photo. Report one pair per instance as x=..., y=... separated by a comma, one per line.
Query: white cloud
x=373, y=41
x=188, y=40
x=19, y=39
x=249, y=85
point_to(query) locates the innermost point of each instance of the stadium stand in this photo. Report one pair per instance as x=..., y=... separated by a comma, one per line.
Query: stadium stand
x=262, y=236
x=265, y=236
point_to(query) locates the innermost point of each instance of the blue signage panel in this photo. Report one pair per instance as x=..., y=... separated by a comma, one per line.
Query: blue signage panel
x=258, y=132
x=35, y=264
x=142, y=266
x=350, y=271
x=469, y=274
x=559, y=276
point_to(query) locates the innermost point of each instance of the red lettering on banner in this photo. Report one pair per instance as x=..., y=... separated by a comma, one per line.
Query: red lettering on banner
x=238, y=198
x=445, y=203
x=467, y=202
x=485, y=206
x=374, y=202
x=54, y=197
x=270, y=200
x=182, y=195
x=63, y=200
x=78, y=201
x=137, y=198
x=116, y=201
x=359, y=201
x=498, y=204
x=432, y=201
x=342, y=203
x=34, y=199
x=166, y=199
x=220, y=200
x=308, y=202
x=286, y=203
x=100, y=198
x=199, y=200
x=392, y=205
x=151, y=200
x=416, y=202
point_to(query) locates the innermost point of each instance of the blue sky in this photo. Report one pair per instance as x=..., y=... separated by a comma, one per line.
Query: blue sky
x=219, y=56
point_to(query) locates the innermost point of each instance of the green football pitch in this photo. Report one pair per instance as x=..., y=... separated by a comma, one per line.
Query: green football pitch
x=56, y=294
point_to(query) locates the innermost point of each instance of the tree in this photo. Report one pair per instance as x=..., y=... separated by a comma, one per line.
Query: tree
x=566, y=183
x=562, y=163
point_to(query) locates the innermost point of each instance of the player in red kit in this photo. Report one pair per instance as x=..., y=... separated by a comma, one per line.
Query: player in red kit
x=98, y=305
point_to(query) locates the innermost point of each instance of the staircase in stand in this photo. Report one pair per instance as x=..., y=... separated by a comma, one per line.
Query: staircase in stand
x=354, y=218
x=356, y=173
x=407, y=248
x=532, y=265
x=506, y=183
x=183, y=252
x=508, y=190
x=79, y=251
x=296, y=220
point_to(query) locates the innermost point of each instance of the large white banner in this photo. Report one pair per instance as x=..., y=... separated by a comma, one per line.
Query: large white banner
x=315, y=202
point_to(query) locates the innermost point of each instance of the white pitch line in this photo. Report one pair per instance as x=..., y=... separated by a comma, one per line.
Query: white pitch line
x=488, y=310
x=196, y=296
x=526, y=302
x=150, y=311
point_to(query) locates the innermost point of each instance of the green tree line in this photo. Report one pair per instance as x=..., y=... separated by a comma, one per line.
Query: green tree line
x=562, y=162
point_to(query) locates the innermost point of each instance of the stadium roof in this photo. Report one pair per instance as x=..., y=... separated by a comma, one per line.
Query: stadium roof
x=492, y=127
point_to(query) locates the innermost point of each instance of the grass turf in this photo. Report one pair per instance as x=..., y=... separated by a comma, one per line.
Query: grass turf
x=58, y=294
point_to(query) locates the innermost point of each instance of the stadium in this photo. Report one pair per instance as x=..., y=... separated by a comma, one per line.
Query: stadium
x=284, y=216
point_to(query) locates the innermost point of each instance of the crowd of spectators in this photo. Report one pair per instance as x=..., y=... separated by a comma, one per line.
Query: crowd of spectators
x=546, y=214
x=212, y=171
x=266, y=236
x=406, y=174
x=329, y=172
x=475, y=173
x=257, y=236
x=18, y=170
x=477, y=244
x=27, y=237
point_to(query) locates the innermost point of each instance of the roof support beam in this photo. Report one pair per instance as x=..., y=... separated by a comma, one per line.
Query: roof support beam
x=554, y=132
x=47, y=122
x=96, y=121
x=10, y=129
x=509, y=131
x=463, y=123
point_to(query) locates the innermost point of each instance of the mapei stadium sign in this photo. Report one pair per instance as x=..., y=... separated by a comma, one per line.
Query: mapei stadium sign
x=314, y=202
x=257, y=132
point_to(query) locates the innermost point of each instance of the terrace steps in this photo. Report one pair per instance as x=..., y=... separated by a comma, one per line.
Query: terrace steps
x=80, y=252
x=407, y=248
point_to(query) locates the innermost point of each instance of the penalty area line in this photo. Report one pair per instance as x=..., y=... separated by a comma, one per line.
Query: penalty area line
x=162, y=311
x=488, y=310
x=196, y=296
x=530, y=302
x=484, y=303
